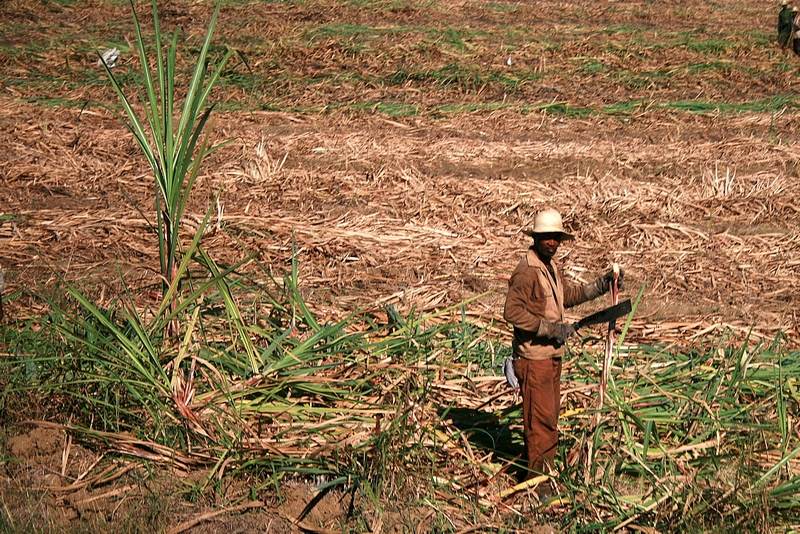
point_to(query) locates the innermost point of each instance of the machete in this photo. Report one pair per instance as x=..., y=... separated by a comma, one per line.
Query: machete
x=605, y=316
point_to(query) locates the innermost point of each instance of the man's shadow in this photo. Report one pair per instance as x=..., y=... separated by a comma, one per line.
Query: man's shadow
x=492, y=432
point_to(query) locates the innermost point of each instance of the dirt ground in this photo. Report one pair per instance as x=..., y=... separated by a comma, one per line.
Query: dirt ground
x=55, y=485
x=424, y=211
x=48, y=491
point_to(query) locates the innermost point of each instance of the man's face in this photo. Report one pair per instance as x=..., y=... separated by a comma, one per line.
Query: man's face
x=546, y=245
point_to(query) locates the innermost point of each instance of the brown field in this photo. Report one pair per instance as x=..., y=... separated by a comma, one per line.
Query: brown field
x=423, y=208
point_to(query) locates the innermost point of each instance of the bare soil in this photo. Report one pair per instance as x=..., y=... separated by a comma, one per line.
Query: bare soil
x=420, y=211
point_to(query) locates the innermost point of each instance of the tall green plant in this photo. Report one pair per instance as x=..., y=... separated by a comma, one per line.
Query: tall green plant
x=172, y=146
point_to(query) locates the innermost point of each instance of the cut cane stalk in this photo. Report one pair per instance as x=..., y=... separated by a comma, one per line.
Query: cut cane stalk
x=609, y=346
x=606, y=369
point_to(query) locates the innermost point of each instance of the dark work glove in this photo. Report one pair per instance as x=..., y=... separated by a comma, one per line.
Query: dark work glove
x=602, y=285
x=558, y=331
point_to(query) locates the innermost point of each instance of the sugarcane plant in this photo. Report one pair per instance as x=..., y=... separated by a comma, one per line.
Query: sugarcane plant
x=174, y=147
x=174, y=138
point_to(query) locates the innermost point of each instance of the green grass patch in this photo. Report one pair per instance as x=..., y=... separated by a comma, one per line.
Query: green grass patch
x=626, y=108
x=557, y=108
x=462, y=76
x=760, y=106
x=595, y=67
x=703, y=106
x=15, y=217
x=396, y=109
x=713, y=66
x=710, y=46
x=458, y=109
x=501, y=8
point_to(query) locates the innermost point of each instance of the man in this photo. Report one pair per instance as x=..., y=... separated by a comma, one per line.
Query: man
x=785, y=17
x=537, y=296
x=795, y=39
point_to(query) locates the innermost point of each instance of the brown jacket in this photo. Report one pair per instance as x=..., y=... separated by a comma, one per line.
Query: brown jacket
x=533, y=295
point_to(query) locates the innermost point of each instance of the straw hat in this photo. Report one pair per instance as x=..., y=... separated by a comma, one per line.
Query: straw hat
x=784, y=2
x=548, y=222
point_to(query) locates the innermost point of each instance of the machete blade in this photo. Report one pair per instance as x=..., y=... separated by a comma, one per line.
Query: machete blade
x=606, y=316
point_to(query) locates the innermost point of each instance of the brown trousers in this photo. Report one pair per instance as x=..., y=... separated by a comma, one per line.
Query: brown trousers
x=540, y=385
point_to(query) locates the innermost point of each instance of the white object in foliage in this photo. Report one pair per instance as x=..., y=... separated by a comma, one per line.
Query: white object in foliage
x=110, y=57
x=508, y=370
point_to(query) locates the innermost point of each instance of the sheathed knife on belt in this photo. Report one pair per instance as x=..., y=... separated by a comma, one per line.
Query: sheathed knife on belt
x=605, y=316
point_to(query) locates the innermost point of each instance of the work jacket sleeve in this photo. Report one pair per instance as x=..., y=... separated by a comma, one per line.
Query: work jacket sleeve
x=516, y=310
x=573, y=294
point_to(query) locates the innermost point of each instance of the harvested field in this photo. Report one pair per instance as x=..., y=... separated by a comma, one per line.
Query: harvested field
x=427, y=212
x=425, y=209
x=400, y=148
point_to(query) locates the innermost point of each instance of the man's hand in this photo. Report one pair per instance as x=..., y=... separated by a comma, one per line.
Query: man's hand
x=558, y=331
x=602, y=285
x=609, y=277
